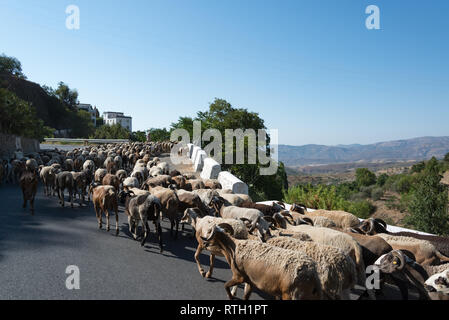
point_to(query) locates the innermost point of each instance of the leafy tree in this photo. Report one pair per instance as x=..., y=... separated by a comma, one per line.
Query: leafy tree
x=11, y=66
x=139, y=136
x=81, y=124
x=100, y=121
x=381, y=179
x=67, y=96
x=446, y=157
x=159, y=134
x=115, y=131
x=364, y=177
x=19, y=117
x=221, y=115
x=428, y=202
x=418, y=167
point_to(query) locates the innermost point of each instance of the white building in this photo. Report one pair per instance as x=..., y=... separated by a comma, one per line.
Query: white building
x=111, y=118
x=92, y=111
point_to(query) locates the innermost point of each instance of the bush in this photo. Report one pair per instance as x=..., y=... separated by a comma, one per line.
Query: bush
x=428, y=202
x=377, y=193
x=364, y=177
x=362, y=209
x=381, y=179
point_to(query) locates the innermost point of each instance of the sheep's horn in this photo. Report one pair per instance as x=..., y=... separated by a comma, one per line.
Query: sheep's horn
x=227, y=227
x=304, y=220
x=270, y=219
x=286, y=214
x=400, y=255
x=382, y=222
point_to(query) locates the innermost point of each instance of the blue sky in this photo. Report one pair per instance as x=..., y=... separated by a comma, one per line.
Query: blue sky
x=310, y=68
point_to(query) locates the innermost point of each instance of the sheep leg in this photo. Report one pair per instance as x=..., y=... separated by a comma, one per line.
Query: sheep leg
x=211, y=268
x=159, y=233
x=98, y=213
x=61, y=196
x=177, y=229
x=197, y=256
x=32, y=205
x=233, y=282
x=108, y=227
x=145, y=232
x=71, y=197
x=116, y=220
x=130, y=225
x=247, y=291
x=24, y=199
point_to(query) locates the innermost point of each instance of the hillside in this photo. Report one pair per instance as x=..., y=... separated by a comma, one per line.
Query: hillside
x=399, y=150
x=48, y=108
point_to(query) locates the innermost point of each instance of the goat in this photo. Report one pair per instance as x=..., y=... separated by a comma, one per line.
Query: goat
x=28, y=184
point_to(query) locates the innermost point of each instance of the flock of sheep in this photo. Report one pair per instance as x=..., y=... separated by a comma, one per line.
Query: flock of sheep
x=286, y=251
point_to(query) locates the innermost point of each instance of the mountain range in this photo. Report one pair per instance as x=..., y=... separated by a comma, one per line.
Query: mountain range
x=399, y=150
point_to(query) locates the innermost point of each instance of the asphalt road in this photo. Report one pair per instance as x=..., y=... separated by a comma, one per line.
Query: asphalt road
x=36, y=250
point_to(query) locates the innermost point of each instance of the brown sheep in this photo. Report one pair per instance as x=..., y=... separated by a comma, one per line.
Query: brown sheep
x=105, y=199
x=111, y=180
x=28, y=184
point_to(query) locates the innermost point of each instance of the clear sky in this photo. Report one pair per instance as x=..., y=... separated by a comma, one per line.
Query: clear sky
x=310, y=68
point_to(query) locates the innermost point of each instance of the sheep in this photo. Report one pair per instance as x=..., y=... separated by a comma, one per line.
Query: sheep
x=156, y=171
x=212, y=184
x=341, y=218
x=99, y=175
x=111, y=168
x=89, y=165
x=193, y=184
x=279, y=272
x=79, y=185
x=439, y=283
x=130, y=182
x=170, y=203
x=105, y=199
x=180, y=182
x=28, y=183
x=143, y=208
x=164, y=167
x=162, y=180
x=111, y=180
x=337, y=239
x=121, y=175
x=202, y=225
x=48, y=175
x=189, y=199
x=253, y=216
x=236, y=199
x=335, y=269
x=404, y=271
x=424, y=251
x=372, y=246
x=375, y=226
x=64, y=180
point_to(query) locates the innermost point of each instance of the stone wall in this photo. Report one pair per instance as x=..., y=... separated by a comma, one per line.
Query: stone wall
x=9, y=144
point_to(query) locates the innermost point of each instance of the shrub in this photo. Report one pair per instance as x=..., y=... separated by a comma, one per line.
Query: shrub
x=377, y=193
x=381, y=179
x=364, y=177
x=362, y=209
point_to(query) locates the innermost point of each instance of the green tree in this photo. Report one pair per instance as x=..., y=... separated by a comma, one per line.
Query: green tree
x=221, y=115
x=159, y=134
x=115, y=131
x=11, y=66
x=19, y=117
x=364, y=177
x=67, y=96
x=381, y=179
x=418, y=167
x=139, y=136
x=81, y=124
x=446, y=157
x=428, y=202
